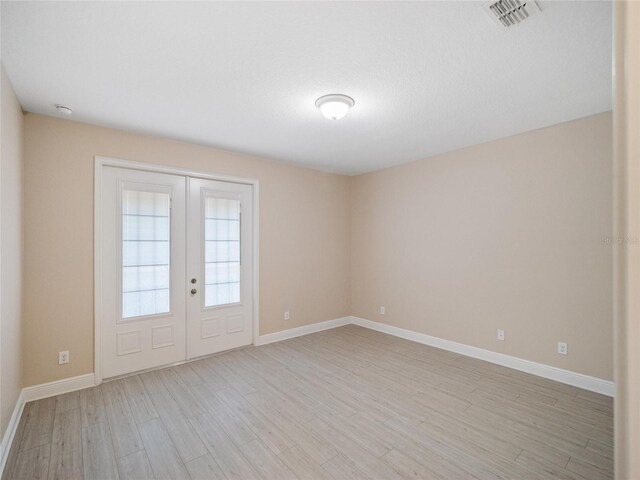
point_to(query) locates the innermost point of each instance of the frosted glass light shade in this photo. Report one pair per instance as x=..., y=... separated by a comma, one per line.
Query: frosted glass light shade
x=334, y=106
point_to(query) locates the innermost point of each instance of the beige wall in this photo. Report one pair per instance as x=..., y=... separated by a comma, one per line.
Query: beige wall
x=627, y=227
x=507, y=234
x=304, y=236
x=11, y=165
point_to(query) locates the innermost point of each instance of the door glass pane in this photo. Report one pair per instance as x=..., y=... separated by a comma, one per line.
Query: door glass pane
x=145, y=253
x=222, y=251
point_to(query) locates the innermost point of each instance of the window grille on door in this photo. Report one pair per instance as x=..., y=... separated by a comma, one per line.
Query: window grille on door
x=145, y=253
x=222, y=251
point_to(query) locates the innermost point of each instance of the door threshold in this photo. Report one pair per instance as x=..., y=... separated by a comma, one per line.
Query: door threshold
x=175, y=364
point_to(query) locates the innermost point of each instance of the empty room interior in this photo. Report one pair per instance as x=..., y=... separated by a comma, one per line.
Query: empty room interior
x=320, y=240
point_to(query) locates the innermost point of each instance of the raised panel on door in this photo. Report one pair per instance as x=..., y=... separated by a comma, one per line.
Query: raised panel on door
x=220, y=294
x=143, y=248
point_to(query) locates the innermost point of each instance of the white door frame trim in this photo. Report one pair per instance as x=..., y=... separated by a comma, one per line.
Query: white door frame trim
x=101, y=162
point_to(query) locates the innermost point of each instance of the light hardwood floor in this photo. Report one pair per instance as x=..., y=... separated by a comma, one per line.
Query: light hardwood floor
x=348, y=403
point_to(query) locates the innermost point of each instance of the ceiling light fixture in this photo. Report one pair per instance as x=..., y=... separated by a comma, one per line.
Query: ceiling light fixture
x=334, y=106
x=63, y=110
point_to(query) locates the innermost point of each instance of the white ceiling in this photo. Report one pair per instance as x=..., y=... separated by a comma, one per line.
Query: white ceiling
x=427, y=77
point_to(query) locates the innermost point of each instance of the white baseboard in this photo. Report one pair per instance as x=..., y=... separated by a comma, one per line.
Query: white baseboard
x=58, y=387
x=593, y=384
x=10, y=433
x=304, y=330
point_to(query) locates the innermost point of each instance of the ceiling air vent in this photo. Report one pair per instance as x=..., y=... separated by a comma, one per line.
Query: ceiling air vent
x=508, y=13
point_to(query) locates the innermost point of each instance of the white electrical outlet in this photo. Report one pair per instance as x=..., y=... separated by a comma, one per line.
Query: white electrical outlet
x=63, y=357
x=382, y=311
x=287, y=316
x=563, y=348
x=500, y=335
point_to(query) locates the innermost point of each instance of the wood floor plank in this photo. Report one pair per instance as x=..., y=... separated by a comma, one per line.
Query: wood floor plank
x=164, y=458
x=188, y=404
x=341, y=467
x=486, y=453
x=544, y=468
x=407, y=467
x=182, y=433
x=135, y=466
x=358, y=435
x=588, y=469
x=187, y=374
x=536, y=439
x=121, y=422
x=589, y=403
x=355, y=454
x=600, y=448
x=139, y=401
x=315, y=445
x=217, y=364
x=593, y=397
x=403, y=405
x=514, y=434
x=440, y=401
x=152, y=382
x=38, y=429
x=92, y=409
x=449, y=451
x=523, y=414
x=302, y=465
x=266, y=463
x=362, y=399
x=446, y=424
x=283, y=405
x=208, y=374
x=395, y=440
x=437, y=463
x=380, y=431
x=262, y=426
x=234, y=426
x=32, y=463
x=231, y=461
x=67, y=401
x=510, y=376
x=339, y=404
x=66, y=446
x=205, y=468
x=98, y=459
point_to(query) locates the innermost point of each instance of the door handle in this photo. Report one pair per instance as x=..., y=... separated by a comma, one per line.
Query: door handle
x=193, y=291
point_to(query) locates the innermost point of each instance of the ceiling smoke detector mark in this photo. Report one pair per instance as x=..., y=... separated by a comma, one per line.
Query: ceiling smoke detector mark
x=508, y=13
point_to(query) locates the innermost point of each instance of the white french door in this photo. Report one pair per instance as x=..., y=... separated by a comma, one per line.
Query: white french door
x=219, y=266
x=176, y=268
